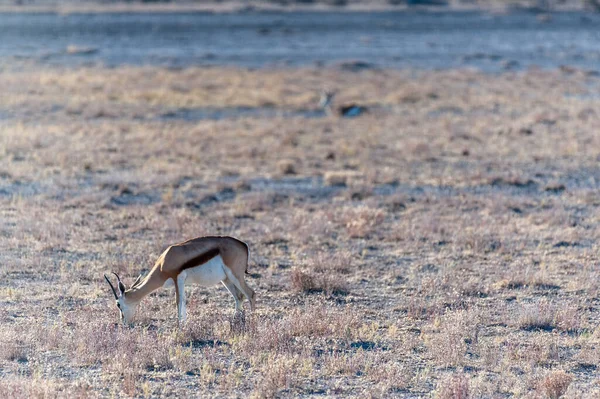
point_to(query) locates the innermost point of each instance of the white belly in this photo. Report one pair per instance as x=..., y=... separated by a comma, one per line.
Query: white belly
x=208, y=274
x=169, y=283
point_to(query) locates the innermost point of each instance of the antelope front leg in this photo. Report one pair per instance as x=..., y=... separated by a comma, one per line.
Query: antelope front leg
x=180, y=297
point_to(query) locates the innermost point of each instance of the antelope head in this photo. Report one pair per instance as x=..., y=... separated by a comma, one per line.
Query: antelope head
x=127, y=308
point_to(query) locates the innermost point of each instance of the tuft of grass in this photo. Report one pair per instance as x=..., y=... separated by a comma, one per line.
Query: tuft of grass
x=340, y=262
x=361, y=221
x=309, y=282
x=303, y=281
x=453, y=333
x=339, y=178
x=547, y=316
x=287, y=167
x=454, y=387
x=555, y=384
x=537, y=317
x=14, y=351
x=277, y=374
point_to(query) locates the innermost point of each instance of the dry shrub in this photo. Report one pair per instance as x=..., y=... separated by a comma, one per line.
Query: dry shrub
x=13, y=350
x=393, y=375
x=206, y=325
x=479, y=242
x=555, y=385
x=129, y=382
x=308, y=226
x=569, y=318
x=264, y=334
x=287, y=167
x=540, y=349
x=539, y=316
x=93, y=338
x=18, y=387
x=360, y=221
x=279, y=334
x=235, y=377
x=364, y=221
x=456, y=330
x=303, y=281
x=524, y=276
x=455, y=387
x=339, y=363
x=277, y=374
x=341, y=178
x=547, y=316
x=51, y=335
x=21, y=388
x=471, y=287
x=589, y=356
x=182, y=357
x=208, y=374
x=338, y=262
x=16, y=343
x=301, y=225
x=309, y=283
x=322, y=321
x=420, y=307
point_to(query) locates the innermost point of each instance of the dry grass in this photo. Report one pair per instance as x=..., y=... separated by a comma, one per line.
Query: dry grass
x=441, y=245
x=556, y=384
x=455, y=387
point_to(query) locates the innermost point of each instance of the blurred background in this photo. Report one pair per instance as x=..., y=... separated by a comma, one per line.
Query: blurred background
x=489, y=35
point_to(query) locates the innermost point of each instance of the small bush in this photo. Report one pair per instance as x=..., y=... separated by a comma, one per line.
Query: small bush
x=310, y=283
x=556, y=384
x=359, y=222
x=303, y=281
x=278, y=374
x=455, y=387
x=13, y=351
x=287, y=167
x=537, y=317
x=546, y=316
x=339, y=262
x=339, y=178
x=457, y=330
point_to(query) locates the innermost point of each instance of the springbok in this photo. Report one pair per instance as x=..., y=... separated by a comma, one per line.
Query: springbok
x=204, y=260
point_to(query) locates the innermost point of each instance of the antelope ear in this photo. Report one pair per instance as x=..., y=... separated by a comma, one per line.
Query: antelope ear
x=121, y=285
x=137, y=280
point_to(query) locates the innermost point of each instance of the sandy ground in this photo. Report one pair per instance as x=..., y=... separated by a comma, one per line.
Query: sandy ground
x=440, y=244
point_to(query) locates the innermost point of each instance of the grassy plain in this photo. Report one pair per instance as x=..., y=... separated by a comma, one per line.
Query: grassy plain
x=443, y=244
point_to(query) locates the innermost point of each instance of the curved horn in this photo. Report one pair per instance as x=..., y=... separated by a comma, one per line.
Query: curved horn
x=121, y=285
x=111, y=287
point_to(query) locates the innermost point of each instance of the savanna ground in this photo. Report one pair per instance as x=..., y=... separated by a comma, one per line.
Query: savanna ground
x=443, y=244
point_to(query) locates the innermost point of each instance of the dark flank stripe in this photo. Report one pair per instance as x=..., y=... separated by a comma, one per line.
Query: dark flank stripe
x=200, y=259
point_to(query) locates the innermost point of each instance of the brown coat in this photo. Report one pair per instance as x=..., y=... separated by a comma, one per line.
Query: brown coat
x=192, y=253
